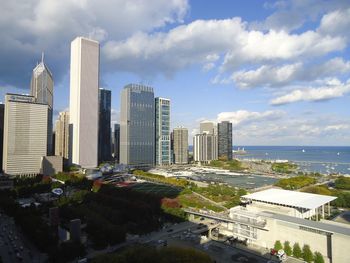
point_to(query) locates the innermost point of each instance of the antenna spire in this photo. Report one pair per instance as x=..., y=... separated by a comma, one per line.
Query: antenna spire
x=42, y=57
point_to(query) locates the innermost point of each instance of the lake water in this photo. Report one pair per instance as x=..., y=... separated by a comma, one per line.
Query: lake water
x=331, y=159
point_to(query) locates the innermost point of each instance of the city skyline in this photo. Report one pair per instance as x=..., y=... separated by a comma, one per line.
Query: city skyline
x=286, y=83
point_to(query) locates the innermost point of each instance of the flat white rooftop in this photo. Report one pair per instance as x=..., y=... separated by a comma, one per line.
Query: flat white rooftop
x=290, y=198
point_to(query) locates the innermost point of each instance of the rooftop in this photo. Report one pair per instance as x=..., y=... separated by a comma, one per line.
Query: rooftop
x=290, y=198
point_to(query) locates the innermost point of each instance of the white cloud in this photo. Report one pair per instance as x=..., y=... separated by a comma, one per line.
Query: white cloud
x=332, y=89
x=270, y=76
x=336, y=23
x=243, y=116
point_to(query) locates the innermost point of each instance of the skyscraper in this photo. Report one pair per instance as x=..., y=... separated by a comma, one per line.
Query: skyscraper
x=2, y=112
x=180, y=145
x=207, y=127
x=116, y=142
x=225, y=140
x=162, y=126
x=104, y=127
x=62, y=135
x=137, y=125
x=83, y=105
x=205, y=147
x=25, y=135
x=41, y=87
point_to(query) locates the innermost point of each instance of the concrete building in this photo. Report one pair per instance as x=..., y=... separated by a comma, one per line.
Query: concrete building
x=180, y=145
x=104, y=127
x=116, y=142
x=2, y=112
x=62, y=135
x=225, y=140
x=274, y=214
x=51, y=165
x=83, y=105
x=205, y=148
x=207, y=127
x=137, y=129
x=41, y=87
x=162, y=126
x=25, y=135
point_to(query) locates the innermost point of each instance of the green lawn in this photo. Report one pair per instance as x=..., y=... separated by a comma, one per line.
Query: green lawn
x=157, y=189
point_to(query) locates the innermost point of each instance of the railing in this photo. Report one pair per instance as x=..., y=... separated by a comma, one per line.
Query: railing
x=226, y=218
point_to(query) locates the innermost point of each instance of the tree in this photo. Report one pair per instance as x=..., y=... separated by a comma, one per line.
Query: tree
x=287, y=248
x=307, y=254
x=318, y=258
x=297, y=250
x=278, y=245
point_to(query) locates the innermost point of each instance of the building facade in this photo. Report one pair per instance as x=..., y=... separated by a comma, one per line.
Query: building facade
x=2, y=112
x=41, y=87
x=83, y=104
x=207, y=127
x=162, y=126
x=62, y=135
x=137, y=129
x=116, y=142
x=205, y=148
x=180, y=144
x=25, y=135
x=225, y=140
x=104, y=127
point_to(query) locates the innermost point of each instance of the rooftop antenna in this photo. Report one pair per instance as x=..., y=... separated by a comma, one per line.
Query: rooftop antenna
x=42, y=57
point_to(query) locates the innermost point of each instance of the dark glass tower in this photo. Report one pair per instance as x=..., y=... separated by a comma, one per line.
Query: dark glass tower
x=225, y=140
x=104, y=127
x=116, y=142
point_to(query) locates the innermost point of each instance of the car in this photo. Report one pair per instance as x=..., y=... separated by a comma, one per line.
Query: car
x=170, y=230
x=202, y=218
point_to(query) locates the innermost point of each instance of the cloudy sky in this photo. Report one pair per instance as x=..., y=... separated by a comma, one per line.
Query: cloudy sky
x=279, y=70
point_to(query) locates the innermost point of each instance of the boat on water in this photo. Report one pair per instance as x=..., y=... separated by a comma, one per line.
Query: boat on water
x=239, y=151
x=303, y=150
x=250, y=183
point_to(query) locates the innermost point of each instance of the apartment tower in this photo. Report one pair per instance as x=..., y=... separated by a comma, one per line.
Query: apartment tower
x=62, y=135
x=180, y=147
x=162, y=126
x=225, y=140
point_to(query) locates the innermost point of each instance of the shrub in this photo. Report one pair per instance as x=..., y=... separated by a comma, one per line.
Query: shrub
x=287, y=248
x=297, y=250
x=307, y=254
x=278, y=245
x=318, y=258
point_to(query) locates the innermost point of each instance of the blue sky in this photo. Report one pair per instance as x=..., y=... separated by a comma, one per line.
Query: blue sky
x=279, y=70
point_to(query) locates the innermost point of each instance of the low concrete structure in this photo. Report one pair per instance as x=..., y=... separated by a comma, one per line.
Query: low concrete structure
x=51, y=165
x=266, y=218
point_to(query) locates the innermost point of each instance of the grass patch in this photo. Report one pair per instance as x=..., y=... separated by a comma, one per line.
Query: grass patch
x=233, y=165
x=285, y=168
x=296, y=182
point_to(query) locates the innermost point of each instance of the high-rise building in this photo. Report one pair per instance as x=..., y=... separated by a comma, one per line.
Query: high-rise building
x=180, y=145
x=116, y=142
x=207, y=127
x=162, y=126
x=205, y=147
x=25, y=135
x=225, y=140
x=137, y=125
x=2, y=112
x=104, y=126
x=62, y=135
x=83, y=105
x=41, y=87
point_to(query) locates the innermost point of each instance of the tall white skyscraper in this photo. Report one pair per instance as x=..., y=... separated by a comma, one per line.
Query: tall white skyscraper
x=41, y=87
x=83, y=105
x=162, y=125
x=137, y=126
x=25, y=135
